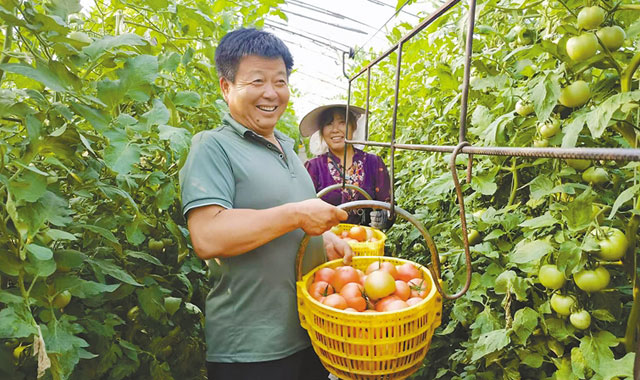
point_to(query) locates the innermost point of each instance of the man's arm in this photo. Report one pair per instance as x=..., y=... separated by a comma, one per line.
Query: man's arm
x=219, y=232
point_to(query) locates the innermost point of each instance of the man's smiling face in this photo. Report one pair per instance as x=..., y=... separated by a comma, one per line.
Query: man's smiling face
x=260, y=93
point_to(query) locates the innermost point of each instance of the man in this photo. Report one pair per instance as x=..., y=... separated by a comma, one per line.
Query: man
x=248, y=201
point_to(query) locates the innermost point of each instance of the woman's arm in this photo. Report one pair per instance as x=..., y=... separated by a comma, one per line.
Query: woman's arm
x=219, y=232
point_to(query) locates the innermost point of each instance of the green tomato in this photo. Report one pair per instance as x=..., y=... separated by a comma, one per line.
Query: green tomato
x=562, y=304
x=580, y=319
x=582, y=47
x=575, y=95
x=156, y=246
x=541, y=143
x=549, y=129
x=61, y=300
x=524, y=108
x=474, y=237
x=578, y=164
x=596, y=176
x=133, y=313
x=614, y=245
x=590, y=17
x=551, y=277
x=612, y=37
x=592, y=280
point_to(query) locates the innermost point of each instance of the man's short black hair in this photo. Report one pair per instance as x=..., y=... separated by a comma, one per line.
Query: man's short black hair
x=248, y=41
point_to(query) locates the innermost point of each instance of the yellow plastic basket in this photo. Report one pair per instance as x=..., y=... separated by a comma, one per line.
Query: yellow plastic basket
x=375, y=248
x=370, y=346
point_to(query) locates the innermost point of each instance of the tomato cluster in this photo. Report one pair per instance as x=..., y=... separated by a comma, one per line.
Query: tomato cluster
x=356, y=234
x=593, y=278
x=382, y=287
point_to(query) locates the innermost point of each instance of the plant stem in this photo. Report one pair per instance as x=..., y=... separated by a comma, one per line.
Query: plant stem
x=514, y=182
x=630, y=259
x=8, y=40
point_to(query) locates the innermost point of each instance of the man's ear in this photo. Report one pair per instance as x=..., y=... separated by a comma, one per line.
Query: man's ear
x=225, y=87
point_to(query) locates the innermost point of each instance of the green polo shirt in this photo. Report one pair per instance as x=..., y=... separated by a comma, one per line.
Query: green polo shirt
x=251, y=311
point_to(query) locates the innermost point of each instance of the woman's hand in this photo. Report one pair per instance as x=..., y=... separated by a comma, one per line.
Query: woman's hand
x=337, y=248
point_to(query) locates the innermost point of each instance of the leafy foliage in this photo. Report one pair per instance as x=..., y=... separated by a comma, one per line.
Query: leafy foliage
x=98, y=107
x=529, y=211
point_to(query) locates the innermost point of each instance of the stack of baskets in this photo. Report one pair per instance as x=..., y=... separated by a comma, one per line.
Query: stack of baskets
x=368, y=346
x=374, y=248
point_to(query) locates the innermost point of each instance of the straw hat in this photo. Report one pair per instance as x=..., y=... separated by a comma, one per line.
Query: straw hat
x=311, y=121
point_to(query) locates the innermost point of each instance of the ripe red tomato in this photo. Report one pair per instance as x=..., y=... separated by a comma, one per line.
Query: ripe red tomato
x=419, y=287
x=407, y=271
x=383, y=302
x=396, y=305
x=335, y=301
x=414, y=301
x=403, y=291
x=344, y=275
x=320, y=289
x=358, y=233
x=324, y=274
x=383, y=266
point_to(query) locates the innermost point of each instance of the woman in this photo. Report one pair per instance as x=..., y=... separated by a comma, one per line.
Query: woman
x=364, y=170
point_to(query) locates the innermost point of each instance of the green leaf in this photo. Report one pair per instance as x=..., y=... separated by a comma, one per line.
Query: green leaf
x=187, y=98
x=109, y=268
x=40, y=252
x=603, y=315
x=50, y=208
x=60, y=335
x=485, y=183
x=121, y=154
x=623, y=198
x=490, y=342
x=16, y=322
x=569, y=255
x=69, y=258
x=7, y=297
x=159, y=114
x=143, y=256
x=179, y=138
x=621, y=368
x=137, y=74
x=545, y=94
x=28, y=187
x=540, y=187
x=599, y=118
x=109, y=42
x=596, y=348
x=545, y=220
x=99, y=120
x=578, y=364
x=166, y=196
x=64, y=8
x=151, y=301
x=578, y=214
x=530, y=251
x=41, y=74
x=83, y=288
x=572, y=129
x=60, y=235
x=525, y=321
x=9, y=264
x=100, y=231
x=509, y=282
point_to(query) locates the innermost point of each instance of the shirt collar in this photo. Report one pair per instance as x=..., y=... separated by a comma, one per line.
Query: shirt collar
x=243, y=131
x=356, y=154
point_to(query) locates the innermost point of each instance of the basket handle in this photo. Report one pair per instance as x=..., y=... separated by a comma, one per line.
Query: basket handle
x=434, y=267
x=336, y=186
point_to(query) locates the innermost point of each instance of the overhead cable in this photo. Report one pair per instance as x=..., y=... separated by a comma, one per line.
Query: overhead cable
x=326, y=12
x=383, y=25
x=324, y=22
x=272, y=26
x=382, y=3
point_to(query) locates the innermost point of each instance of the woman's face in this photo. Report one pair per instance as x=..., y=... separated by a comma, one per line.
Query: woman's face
x=334, y=132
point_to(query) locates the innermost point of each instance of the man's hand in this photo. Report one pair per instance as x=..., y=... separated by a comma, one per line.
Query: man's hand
x=337, y=248
x=316, y=216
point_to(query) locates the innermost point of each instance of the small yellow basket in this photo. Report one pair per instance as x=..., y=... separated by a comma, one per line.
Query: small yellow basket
x=370, y=346
x=375, y=248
